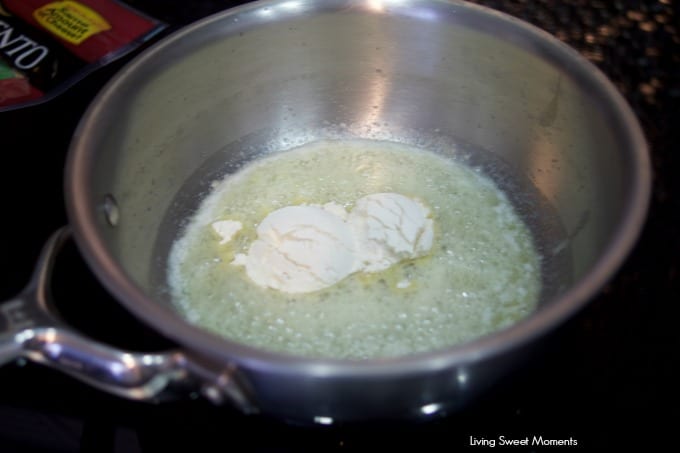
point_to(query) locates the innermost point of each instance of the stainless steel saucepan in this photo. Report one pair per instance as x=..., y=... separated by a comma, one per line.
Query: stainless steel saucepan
x=274, y=74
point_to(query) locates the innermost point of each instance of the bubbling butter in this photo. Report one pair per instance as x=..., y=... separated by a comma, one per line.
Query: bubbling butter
x=389, y=250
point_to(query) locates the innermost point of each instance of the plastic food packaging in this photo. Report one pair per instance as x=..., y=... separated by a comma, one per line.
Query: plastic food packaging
x=47, y=46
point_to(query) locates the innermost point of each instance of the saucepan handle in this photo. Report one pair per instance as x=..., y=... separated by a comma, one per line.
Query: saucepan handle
x=29, y=329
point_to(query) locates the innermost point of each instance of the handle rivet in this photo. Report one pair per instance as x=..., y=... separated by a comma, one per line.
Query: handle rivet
x=111, y=210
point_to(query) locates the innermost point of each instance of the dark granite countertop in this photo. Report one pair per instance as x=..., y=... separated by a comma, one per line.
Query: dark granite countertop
x=607, y=378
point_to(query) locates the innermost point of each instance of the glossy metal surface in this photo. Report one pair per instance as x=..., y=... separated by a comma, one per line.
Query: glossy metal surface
x=273, y=74
x=29, y=329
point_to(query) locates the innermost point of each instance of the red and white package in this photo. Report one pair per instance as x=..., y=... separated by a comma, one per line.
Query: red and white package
x=46, y=45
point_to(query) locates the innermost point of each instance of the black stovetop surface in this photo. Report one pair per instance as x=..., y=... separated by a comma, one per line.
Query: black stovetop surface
x=606, y=378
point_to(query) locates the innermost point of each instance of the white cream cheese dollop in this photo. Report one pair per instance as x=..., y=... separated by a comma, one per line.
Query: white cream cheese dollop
x=300, y=249
x=226, y=229
x=389, y=228
x=306, y=248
